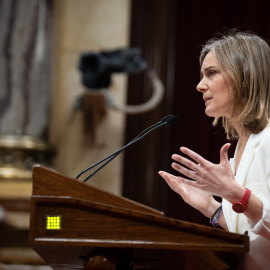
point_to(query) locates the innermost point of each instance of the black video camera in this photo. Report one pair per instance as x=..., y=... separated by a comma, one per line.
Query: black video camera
x=97, y=68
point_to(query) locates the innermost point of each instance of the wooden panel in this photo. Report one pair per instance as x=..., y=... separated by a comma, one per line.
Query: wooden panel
x=94, y=224
x=48, y=182
x=131, y=233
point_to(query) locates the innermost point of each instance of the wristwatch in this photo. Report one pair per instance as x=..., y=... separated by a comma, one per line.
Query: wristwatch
x=239, y=207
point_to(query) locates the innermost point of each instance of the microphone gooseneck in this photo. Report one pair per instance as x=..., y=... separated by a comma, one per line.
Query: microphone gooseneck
x=167, y=120
x=164, y=119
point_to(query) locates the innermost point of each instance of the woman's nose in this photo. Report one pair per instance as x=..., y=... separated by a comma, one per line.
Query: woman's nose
x=201, y=87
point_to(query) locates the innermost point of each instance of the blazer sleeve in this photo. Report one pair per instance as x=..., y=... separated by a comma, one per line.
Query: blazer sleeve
x=263, y=226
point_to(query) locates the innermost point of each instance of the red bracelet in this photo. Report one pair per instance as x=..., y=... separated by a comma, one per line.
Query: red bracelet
x=240, y=207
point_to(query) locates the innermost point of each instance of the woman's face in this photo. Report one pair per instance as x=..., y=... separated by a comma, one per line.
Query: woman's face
x=216, y=87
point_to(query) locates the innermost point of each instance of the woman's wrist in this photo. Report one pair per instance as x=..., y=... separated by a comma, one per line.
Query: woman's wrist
x=235, y=193
x=215, y=217
x=213, y=206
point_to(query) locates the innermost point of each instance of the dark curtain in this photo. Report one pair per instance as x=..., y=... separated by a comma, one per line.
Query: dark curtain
x=171, y=35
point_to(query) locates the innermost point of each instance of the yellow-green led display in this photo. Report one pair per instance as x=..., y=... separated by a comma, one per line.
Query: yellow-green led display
x=53, y=223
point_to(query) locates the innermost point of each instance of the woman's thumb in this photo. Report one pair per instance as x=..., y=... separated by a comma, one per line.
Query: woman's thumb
x=224, y=152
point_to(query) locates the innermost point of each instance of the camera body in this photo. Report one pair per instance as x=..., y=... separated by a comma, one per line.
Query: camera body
x=97, y=68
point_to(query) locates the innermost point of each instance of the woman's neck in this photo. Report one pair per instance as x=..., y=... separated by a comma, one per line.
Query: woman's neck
x=243, y=133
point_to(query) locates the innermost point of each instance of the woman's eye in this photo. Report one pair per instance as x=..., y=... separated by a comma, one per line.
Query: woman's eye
x=212, y=72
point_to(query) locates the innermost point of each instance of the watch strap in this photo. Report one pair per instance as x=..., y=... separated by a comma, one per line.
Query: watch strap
x=246, y=196
x=240, y=206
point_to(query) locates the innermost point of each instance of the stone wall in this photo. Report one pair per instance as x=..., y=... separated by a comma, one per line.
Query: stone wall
x=83, y=26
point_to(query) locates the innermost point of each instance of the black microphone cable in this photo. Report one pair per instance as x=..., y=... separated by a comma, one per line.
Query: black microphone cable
x=167, y=120
x=170, y=121
x=94, y=165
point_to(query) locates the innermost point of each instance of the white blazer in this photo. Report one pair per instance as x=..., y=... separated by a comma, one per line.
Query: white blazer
x=254, y=173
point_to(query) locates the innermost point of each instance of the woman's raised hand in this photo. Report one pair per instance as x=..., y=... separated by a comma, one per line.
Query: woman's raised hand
x=216, y=179
x=203, y=179
x=192, y=195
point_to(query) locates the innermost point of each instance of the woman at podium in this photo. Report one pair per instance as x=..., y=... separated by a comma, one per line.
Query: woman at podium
x=235, y=86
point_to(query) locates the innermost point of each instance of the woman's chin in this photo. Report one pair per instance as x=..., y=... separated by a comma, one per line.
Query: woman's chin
x=209, y=113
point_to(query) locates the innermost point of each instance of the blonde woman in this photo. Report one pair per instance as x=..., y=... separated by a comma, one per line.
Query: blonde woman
x=235, y=86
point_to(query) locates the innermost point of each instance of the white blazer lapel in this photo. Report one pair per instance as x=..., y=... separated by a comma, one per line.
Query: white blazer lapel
x=246, y=160
x=241, y=176
x=248, y=156
x=242, y=172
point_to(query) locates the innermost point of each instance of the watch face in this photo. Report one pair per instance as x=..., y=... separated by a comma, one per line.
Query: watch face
x=238, y=207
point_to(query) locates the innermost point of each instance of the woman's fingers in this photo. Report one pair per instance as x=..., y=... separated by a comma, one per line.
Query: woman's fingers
x=177, y=184
x=197, y=169
x=224, y=152
x=190, y=191
x=188, y=173
x=187, y=162
x=200, y=174
x=170, y=179
x=193, y=155
x=174, y=181
x=199, y=159
x=194, y=170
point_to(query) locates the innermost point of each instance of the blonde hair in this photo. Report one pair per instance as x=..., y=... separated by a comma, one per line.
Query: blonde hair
x=246, y=58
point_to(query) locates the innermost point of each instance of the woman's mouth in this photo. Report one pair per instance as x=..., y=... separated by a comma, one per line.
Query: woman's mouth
x=206, y=99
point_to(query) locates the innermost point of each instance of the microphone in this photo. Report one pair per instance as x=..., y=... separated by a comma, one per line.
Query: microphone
x=167, y=120
x=164, y=119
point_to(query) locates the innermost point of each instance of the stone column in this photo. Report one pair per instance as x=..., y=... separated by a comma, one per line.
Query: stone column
x=25, y=83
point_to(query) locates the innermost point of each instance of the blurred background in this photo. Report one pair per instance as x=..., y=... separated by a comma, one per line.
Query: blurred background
x=50, y=114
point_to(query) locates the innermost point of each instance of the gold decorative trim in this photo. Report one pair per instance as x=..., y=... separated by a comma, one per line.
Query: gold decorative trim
x=24, y=143
x=18, y=154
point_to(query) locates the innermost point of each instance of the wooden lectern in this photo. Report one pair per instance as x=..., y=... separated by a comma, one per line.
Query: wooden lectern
x=76, y=226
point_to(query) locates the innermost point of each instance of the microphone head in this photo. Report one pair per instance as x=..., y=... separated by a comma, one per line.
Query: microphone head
x=173, y=120
x=165, y=118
